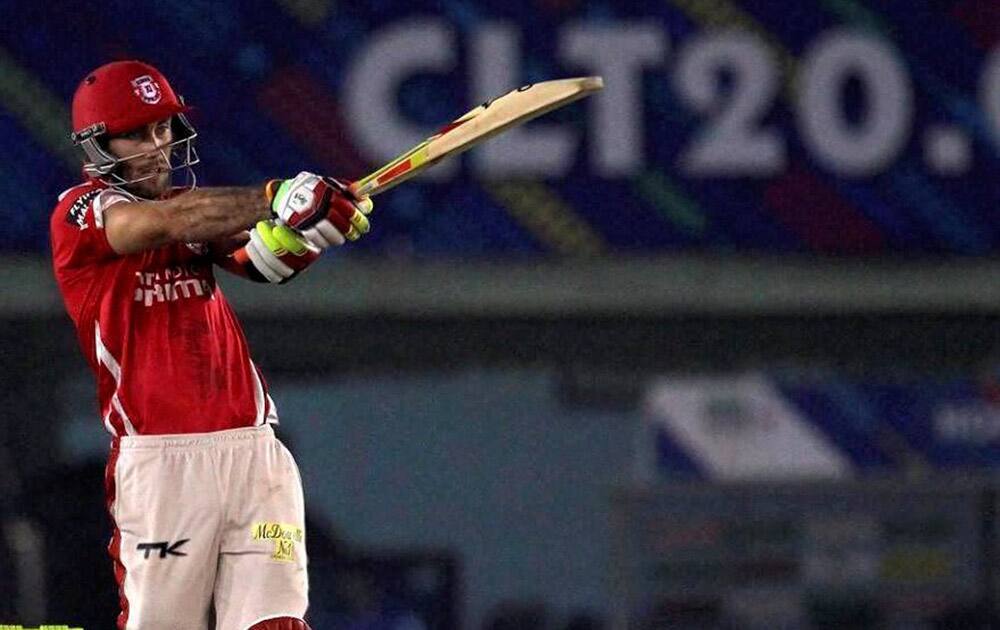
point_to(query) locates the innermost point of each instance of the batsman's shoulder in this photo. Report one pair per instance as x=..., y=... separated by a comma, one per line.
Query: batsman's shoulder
x=83, y=205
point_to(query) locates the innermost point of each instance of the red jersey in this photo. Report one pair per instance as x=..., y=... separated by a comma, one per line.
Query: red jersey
x=165, y=346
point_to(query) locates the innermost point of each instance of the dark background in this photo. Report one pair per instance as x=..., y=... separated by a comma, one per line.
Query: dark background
x=474, y=391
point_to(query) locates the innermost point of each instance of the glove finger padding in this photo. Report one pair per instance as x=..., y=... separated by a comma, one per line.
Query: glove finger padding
x=264, y=260
x=279, y=253
x=336, y=217
x=324, y=235
x=281, y=239
x=350, y=212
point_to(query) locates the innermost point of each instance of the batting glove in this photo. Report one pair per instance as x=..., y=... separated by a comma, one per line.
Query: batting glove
x=321, y=208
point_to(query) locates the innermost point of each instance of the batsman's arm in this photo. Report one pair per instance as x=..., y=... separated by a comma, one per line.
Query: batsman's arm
x=222, y=253
x=203, y=214
x=223, y=247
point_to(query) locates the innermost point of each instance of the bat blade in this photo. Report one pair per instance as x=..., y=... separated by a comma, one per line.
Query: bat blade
x=481, y=123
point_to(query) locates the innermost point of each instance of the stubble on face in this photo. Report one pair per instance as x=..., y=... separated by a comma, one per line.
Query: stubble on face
x=147, y=163
x=153, y=188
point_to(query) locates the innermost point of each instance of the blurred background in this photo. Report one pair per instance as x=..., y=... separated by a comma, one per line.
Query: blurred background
x=716, y=348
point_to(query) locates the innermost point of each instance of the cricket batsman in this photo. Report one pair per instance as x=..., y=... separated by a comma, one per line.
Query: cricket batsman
x=206, y=504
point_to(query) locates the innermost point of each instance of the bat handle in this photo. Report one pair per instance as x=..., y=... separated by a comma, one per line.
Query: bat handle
x=358, y=189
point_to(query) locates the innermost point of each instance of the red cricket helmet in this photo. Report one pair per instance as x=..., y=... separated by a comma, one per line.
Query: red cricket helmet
x=121, y=96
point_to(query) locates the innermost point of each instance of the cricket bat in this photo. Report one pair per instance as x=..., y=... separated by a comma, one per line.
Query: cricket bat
x=492, y=117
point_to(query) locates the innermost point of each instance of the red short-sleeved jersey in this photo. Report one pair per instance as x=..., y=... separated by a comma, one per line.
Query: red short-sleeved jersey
x=165, y=346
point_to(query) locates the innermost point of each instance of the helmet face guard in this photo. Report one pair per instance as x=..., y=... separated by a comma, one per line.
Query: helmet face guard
x=102, y=165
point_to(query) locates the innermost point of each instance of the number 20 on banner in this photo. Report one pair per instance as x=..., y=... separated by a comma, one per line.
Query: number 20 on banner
x=734, y=140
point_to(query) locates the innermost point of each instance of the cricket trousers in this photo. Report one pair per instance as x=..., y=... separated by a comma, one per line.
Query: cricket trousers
x=207, y=526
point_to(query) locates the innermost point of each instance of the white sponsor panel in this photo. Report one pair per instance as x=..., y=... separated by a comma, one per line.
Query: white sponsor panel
x=969, y=423
x=740, y=427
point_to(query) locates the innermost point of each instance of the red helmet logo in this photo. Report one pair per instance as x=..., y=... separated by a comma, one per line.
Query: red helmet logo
x=146, y=88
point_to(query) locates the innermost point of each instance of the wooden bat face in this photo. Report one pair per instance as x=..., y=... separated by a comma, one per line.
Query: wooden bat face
x=492, y=117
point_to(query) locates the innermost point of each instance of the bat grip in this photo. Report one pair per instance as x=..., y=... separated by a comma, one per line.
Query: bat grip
x=354, y=188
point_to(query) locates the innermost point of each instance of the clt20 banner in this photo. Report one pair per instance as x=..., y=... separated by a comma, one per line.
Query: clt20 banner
x=822, y=127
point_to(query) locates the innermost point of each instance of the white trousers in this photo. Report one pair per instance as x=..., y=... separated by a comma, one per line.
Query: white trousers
x=206, y=520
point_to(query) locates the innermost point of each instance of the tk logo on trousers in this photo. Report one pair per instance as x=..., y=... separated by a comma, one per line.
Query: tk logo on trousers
x=164, y=548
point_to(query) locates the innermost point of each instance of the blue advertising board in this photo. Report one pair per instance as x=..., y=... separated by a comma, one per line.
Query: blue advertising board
x=829, y=127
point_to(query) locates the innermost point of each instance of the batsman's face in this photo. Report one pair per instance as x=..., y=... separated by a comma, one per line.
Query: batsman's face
x=150, y=157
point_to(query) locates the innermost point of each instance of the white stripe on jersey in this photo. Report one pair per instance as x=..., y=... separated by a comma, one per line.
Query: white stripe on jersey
x=258, y=395
x=267, y=411
x=104, y=200
x=272, y=411
x=105, y=358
